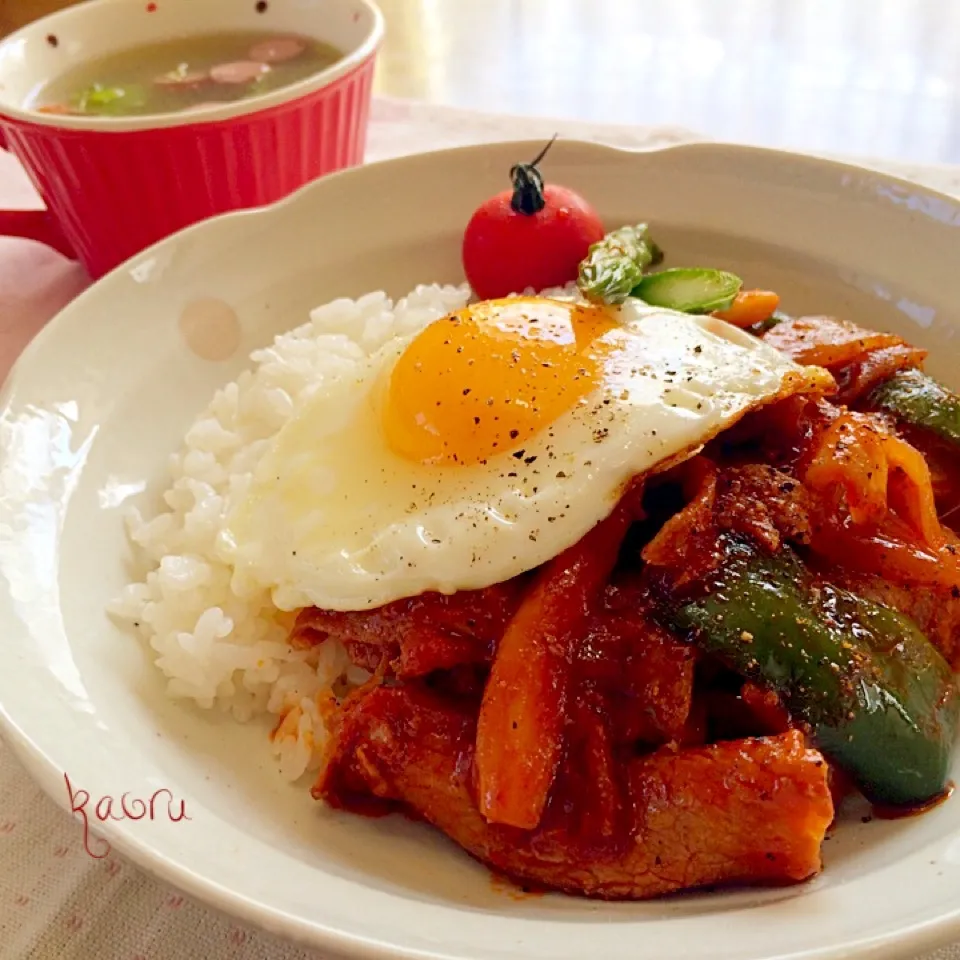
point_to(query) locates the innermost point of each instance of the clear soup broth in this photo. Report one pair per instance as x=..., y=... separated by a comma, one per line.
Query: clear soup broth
x=184, y=74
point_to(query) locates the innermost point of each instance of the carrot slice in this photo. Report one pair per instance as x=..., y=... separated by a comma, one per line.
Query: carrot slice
x=878, y=472
x=894, y=530
x=524, y=708
x=750, y=307
x=861, y=376
x=58, y=110
x=911, y=490
x=890, y=553
x=826, y=341
x=852, y=458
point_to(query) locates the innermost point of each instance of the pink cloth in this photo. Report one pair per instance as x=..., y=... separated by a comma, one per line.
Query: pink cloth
x=35, y=282
x=56, y=902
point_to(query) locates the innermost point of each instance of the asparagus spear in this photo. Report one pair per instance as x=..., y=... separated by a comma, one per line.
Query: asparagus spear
x=614, y=269
x=879, y=698
x=615, y=264
x=689, y=289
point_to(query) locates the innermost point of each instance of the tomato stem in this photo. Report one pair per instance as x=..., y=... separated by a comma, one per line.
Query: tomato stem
x=528, y=184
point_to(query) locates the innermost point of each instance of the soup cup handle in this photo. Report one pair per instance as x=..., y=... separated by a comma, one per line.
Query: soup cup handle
x=36, y=225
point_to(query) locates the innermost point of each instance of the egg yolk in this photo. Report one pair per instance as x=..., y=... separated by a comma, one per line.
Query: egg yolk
x=485, y=379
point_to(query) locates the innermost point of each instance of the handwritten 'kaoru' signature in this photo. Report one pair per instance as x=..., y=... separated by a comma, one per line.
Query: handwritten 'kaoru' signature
x=161, y=804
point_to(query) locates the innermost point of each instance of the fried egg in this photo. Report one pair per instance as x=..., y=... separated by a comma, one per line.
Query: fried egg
x=486, y=444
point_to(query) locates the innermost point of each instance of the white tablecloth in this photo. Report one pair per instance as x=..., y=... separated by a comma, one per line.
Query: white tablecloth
x=56, y=903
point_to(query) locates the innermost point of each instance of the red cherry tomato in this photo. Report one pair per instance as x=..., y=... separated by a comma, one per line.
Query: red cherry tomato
x=530, y=236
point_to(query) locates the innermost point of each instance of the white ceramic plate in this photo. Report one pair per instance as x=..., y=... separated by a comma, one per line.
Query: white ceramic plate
x=94, y=407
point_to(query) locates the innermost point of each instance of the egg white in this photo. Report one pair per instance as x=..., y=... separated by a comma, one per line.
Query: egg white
x=335, y=519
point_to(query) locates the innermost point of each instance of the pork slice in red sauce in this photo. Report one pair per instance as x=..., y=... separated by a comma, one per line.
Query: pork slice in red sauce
x=615, y=826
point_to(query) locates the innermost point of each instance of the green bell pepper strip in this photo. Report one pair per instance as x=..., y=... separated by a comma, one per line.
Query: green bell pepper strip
x=615, y=264
x=878, y=698
x=916, y=398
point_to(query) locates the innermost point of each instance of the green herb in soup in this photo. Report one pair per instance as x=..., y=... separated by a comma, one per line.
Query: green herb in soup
x=185, y=74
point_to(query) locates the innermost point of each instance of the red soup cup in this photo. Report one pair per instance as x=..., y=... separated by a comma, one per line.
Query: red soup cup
x=114, y=185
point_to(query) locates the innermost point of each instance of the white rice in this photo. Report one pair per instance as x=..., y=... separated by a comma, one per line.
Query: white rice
x=216, y=647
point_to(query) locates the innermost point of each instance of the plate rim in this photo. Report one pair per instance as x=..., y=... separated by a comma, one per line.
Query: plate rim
x=147, y=856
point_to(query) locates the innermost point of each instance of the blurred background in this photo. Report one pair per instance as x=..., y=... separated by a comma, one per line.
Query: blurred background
x=868, y=77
